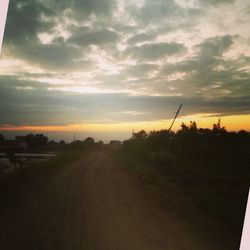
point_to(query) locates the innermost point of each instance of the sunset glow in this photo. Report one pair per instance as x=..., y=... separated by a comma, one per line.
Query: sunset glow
x=231, y=123
x=106, y=66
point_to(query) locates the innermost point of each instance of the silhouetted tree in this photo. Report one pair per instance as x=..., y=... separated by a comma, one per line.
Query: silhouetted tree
x=217, y=129
x=243, y=133
x=89, y=141
x=62, y=142
x=193, y=127
x=140, y=135
x=184, y=127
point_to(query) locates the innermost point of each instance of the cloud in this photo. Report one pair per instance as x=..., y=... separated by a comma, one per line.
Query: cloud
x=25, y=19
x=142, y=37
x=209, y=74
x=154, y=51
x=215, y=46
x=57, y=56
x=83, y=37
x=140, y=70
x=153, y=11
x=207, y=56
x=33, y=104
x=215, y=2
x=82, y=9
x=98, y=7
x=117, y=60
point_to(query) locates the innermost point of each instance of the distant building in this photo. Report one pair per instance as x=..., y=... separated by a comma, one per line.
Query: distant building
x=12, y=145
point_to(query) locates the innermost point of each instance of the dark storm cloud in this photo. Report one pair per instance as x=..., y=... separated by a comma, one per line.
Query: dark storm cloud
x=141, y=37
x=38, y=106
x=202, y=67
x=209, y=58
x=81, y=8
x=215, y=46
x=25, y=20
x=153, y=11
x=83, y=37
x=215, y=2
x=209, y=75
x=31, y=103
x=54, y=56
x=154, y=51
x=140, y=70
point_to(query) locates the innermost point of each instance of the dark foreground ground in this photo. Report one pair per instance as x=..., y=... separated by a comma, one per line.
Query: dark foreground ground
x=97, y=204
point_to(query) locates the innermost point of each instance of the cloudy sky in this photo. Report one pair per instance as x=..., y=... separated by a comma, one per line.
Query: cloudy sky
x=106, y=66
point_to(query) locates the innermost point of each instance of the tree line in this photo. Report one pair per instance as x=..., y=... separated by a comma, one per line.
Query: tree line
x=193, y=147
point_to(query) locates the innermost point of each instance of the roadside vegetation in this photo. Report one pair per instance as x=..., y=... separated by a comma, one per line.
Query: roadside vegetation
x=209, y=166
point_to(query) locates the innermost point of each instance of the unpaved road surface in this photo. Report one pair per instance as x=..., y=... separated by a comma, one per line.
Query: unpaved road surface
x=94, y=204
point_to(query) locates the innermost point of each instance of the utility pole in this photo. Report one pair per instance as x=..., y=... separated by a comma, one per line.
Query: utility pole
x=169, y=130
x=178, y=111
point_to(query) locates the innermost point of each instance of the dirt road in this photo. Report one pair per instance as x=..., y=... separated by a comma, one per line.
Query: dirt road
x=94, y=204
